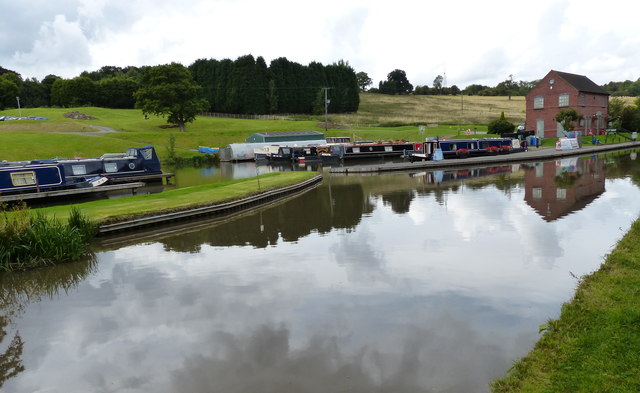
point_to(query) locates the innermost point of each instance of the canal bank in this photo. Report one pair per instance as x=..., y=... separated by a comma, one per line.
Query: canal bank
x=119, y=214
x=258, y=199
x=532, y=154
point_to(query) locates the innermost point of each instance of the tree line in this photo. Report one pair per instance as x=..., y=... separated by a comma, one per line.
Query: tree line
x=246, y=85
x=397, y=83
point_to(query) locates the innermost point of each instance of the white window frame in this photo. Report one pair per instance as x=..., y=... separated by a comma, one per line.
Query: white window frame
x=538, y=102
x=563, y=100
x=23, y=178
x=536, y=193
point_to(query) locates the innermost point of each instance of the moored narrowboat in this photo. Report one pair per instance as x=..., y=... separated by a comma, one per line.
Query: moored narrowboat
x=463, y=148
x=40, y=175
x=372, y=149
x=27, y=177
x=136, y=161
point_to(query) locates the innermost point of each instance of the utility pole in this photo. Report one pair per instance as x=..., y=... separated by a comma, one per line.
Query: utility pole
x=326, y=107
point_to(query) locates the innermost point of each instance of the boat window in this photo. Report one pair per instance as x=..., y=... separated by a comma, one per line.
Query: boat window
x=110, y=167
x=131, y=152
x=79, y=169
x=23, y=178
x=147, y=154
x=356, y=150
x=388, y=148
x=453, y=147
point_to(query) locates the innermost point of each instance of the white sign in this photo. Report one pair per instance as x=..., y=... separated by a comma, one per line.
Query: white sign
x=567, y=144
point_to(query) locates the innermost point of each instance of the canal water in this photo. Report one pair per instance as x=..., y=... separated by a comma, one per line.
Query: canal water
x=403, y=282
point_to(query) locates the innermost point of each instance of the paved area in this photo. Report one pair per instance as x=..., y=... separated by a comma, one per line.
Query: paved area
x=533, y=154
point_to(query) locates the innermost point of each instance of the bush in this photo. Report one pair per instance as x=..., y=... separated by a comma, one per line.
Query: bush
x=501, y=126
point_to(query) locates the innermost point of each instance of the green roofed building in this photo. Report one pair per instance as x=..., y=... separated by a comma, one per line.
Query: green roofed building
x=285, y=136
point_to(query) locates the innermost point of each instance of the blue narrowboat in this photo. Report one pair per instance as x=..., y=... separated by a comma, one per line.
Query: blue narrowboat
x=136, y=161
x=27, y=177
x=462, y=148
x=40, y=175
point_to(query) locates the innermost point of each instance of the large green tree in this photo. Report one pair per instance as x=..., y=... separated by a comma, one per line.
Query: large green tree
x=363, y=80
x=169, y=91
x=396, y=83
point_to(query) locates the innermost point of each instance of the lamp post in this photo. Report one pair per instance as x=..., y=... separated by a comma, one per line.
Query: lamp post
x=19, y=111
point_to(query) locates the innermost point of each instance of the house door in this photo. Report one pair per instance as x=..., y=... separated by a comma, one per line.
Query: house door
x=560, y=132
x=540, y=128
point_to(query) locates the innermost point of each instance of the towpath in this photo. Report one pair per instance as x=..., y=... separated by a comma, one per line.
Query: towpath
x=533, y=154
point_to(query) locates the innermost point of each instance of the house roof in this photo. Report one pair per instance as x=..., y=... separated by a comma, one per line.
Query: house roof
x=582, y=83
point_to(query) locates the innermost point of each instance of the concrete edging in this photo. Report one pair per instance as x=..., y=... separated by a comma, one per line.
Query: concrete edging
x=220, y=208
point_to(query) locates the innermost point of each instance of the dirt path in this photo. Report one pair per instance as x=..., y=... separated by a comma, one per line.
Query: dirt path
x=101, y=130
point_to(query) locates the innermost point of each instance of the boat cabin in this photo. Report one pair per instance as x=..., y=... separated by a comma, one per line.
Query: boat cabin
x=135, y=161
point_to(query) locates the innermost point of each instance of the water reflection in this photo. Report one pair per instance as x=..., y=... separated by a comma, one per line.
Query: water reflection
x=572, y=185
x=401, y=282
x=23, y=288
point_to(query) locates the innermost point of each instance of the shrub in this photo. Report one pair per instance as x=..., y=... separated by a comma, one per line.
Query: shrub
x=501, y=126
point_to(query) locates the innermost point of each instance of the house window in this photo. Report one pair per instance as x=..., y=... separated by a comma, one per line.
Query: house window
x=23, y=178
x=583, y=99
x=563, y=100
x=604, y=101
x=539, y=171
x=538, y=102
x=537, y=193
x=561, y=194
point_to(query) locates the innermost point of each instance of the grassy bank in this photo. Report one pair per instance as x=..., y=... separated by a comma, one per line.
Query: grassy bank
x=593, y=345
x=109, y=210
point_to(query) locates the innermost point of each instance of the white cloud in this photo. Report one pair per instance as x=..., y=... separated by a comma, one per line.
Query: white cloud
x=470, y=42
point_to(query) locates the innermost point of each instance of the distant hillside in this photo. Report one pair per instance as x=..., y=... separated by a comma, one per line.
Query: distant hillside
x=381, y=109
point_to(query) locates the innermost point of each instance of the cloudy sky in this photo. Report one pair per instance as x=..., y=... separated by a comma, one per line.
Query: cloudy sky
x=467, y=41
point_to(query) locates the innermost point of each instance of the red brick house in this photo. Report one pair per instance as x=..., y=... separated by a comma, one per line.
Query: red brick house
x=561, y=90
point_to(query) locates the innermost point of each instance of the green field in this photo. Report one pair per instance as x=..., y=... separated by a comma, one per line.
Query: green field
x=380, y=118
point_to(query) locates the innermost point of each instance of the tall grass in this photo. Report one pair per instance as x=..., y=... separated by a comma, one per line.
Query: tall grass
x=30, y=240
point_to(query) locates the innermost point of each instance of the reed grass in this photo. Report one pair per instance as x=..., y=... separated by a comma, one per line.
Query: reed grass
x=32, y=240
